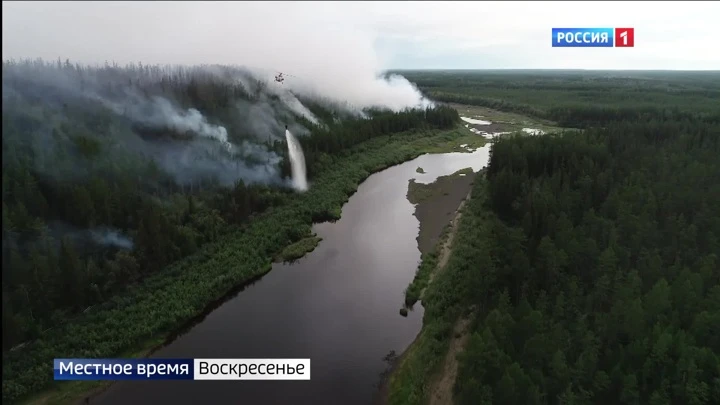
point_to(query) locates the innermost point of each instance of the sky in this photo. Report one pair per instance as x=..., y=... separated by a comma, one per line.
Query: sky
x=337, y=37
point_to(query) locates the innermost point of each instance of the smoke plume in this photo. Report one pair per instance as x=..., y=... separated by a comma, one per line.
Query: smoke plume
x=204, y=151
x=323, y=59
x=313, y=43
x=159, y=112
x=110, y=237
x=82, y=238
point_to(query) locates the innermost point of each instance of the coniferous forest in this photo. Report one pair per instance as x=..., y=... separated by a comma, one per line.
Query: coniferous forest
x=588, y=263
x=605, y=267
x=119, y=181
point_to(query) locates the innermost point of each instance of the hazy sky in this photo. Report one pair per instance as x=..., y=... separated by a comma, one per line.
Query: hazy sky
x=337, y=36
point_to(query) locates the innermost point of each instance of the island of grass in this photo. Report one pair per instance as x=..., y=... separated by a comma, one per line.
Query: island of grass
x=420, y=170
x=299, y=249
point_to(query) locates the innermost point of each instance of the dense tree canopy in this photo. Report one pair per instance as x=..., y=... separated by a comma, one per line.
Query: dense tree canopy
x=581, y=99
x=85, y=213
x=589, y=261
x=605, y=269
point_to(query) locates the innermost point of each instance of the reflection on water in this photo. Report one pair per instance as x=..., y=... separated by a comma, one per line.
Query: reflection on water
x=337, y=306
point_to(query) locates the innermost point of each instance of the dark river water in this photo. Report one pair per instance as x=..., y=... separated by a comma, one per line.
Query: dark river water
x=337, y=306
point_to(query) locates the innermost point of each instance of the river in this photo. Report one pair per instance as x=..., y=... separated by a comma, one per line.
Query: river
x=338, y=306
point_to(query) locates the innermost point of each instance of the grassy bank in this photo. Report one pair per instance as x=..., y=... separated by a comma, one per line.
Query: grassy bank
x=169, y=299
x=419, y=192
x=428, y=263
x=444, y=303
x=432, y=200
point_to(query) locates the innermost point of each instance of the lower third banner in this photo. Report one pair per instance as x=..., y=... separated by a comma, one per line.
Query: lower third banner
x=181, y=369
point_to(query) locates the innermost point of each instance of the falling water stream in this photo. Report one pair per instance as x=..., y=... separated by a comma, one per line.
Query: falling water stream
x=297, y=162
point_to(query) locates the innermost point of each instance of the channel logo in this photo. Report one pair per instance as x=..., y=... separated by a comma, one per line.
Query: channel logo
x=624, y=37
x=593, y=37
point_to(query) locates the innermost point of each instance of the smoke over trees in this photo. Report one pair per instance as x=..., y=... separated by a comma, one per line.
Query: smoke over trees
x=112, y=173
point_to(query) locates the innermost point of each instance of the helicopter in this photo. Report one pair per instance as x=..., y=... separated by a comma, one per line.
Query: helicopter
x=280, y=77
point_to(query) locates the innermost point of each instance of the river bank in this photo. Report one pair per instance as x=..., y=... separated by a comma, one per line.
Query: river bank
x=436, y=208
x=180, y=294
x=436, y=203
x=425, y=371
x=439, y=207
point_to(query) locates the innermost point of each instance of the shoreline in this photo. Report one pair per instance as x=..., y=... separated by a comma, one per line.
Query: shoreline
x=420, y=374
x=443, y=245
x=378, y=158
x=436, y=207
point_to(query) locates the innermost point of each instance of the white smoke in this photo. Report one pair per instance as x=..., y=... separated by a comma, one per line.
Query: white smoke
x=111, y=237
x=292, y=102
x=159, y=112
x=99, y=236
x=194, y=162
x=205, y=155
x=192, y=120
x=265, y=119
x=314, y=42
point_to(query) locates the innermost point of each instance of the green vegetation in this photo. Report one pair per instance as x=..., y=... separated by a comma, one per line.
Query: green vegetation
x=504, y=121
x=488, y=114
x=299, y=248
x=420, y=170
x=580, y=99
x=419, y=192
x=470, y=140
x=181, y=240
x=587, y=261
x=428, y=263
x=450, y=141
x=166, y=300
x=443, y=302
x=604, y=280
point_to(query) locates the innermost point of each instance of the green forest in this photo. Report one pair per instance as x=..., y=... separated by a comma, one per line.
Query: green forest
x=110, y=243
x=580, y=99
x=587, y=262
